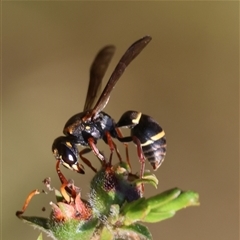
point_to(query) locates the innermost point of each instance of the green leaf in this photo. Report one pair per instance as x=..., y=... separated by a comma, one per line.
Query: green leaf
x=168, y=210
x=148, y=178
x=153, y=217
x=159, y=207
x=139, y=209
x=185, y=199
x=39, y=222
x=134, y=211
x=163, y=198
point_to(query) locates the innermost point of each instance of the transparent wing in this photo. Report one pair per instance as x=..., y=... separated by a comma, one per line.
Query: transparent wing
x=97, y=72
x=129, y=55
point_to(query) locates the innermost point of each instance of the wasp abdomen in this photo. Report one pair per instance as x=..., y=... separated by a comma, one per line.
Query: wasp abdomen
x=152, y=138
x=155, y=151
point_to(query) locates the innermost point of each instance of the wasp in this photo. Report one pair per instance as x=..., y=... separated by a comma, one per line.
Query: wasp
x=147, y=134
x=87, y=127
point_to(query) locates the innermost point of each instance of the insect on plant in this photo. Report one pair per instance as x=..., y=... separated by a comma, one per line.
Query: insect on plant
x=115, y=204
x=92, y=124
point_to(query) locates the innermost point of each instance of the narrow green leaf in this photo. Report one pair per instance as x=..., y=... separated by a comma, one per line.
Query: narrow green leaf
x=148, y=178
x=130, y=206
x=39, y=222
x=185, y=199
x=153, y=217
x=135, y=211
x=163, y=198
x=140, y=209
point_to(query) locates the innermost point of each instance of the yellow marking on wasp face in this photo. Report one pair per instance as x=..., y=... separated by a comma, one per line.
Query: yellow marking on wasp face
x=158, y=136
x=136, y=120
x=147, y=143
x=67, y=165
x=56, y=154
x=75, y=167
x=87, y=127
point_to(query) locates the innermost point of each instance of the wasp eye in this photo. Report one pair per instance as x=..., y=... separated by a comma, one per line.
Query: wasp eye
x=69, y=157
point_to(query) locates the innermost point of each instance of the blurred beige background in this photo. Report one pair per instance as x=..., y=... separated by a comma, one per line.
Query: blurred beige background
x=186, y=78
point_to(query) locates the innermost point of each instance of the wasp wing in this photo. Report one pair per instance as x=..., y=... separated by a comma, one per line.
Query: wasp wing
x=129, y=55
x=97, y=71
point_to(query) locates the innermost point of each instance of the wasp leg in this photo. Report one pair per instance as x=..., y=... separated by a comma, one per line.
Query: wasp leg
x=109, y=162
x=113, y=147
x=85, y=160
x=120, y=136
x=140, y=155
x=141, y=159
x=95, y=150
x=27, y=201
x=66, y=186
x=59, y=173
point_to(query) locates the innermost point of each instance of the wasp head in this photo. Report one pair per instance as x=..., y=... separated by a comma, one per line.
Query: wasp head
x=66, y=151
